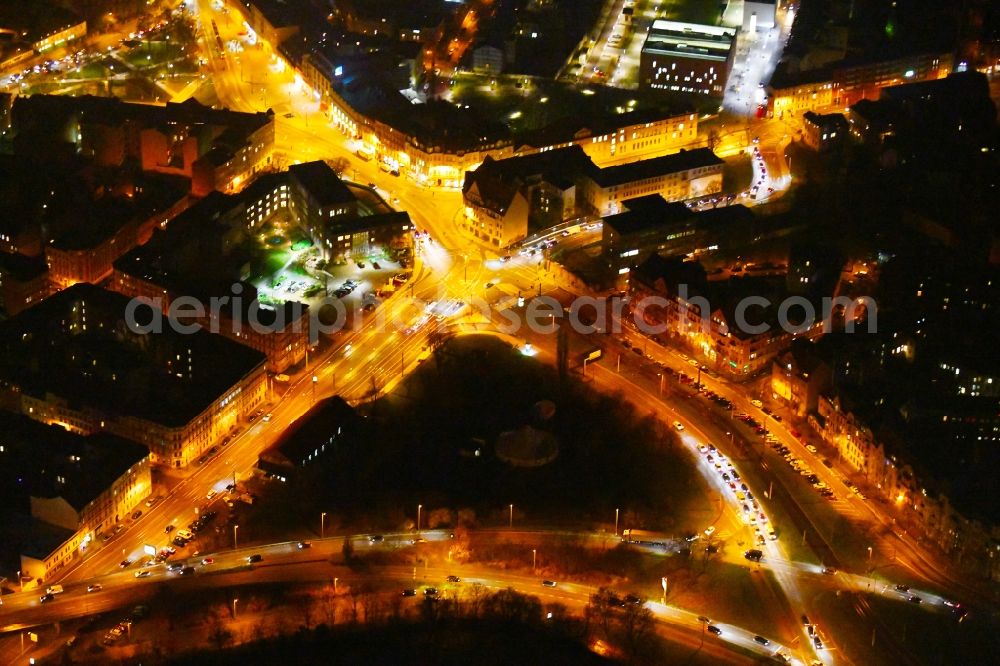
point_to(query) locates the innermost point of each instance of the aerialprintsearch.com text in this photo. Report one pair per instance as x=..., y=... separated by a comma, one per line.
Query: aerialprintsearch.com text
x=540, y=314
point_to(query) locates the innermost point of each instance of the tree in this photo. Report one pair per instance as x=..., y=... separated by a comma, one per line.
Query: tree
x=601, y=608
x=637, y=629
x=218, y=635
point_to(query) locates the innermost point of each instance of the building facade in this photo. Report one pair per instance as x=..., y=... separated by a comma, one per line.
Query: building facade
x=685, y=175
x=687, y=57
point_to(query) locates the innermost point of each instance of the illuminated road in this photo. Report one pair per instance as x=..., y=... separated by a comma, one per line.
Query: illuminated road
x=287, y=563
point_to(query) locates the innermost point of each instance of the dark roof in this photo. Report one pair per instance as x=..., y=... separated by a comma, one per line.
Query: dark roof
x=825, y=120
x=434, y=125
x=318, y=427
x=283, y=13
x=560, y=167
x=497, y=182
x=653, y=211
x=786, y=77
x=43, y=539
x=113, y=111
x=22, y=268
x=803, y=356
x=38, y=453
x=671, y=272
x=647, y=213
x=581, y=126
x=76, y=345
x=321, y=182
x=36, y=17
x=658, y=166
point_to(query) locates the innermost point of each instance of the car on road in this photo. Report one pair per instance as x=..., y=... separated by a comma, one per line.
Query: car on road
x=267, y=418
x=206, y=561
x=376, y=538
x=142, y=574
x=678, y=426
x=254, y=558
x=302, y=545
x=760, y=639
x=211, y=494
x=754, y=555
x=829, y=571
x=914, y=599
x=95, y=587
x=124, y=563
x=136, y=515
x=409, y=592
x=430, y=592
x=902, y=588
x=179, y=542
x=710, y=530
x=185, y=534
x=633, y=600
x=168, y=529
x=453, y=579
x=48, y=596
x=187, y=571
x=712, y=629
x=175, y=566
x=548, y=583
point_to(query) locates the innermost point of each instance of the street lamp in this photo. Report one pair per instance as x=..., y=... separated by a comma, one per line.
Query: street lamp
x=315, y=381
x=234, y=607
x=534, y=559
x=235, y=527
x=322, y=525
x=419, y=508
x=616, y=522
x=869, y=553
x=511, y=516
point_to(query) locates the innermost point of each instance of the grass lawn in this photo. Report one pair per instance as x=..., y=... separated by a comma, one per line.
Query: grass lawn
x=152, y=53
x=92, y=70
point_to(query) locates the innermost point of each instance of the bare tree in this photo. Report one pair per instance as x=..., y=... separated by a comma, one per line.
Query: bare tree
x=637, y=629
x=219, y=636
x=601, y=608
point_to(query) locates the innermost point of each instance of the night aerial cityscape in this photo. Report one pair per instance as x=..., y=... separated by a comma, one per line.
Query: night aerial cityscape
x=499, y=332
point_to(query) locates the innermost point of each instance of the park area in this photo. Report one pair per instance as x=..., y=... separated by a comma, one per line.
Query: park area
x=434, y=441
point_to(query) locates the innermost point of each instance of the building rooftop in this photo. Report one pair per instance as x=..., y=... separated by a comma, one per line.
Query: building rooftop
x=283, y=13
x=53, y=462
x=37, y=18
x=658, y=166
x=322, y=183
x=42, y=539
x=646, y=214
x=827, y=120
x=689, y=40
x=21, y=267
x=112, y=111
x=77, y=346
x=311, y=433
x=580, y=126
